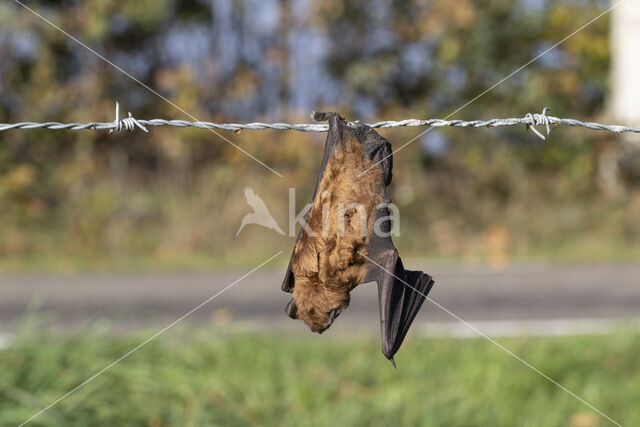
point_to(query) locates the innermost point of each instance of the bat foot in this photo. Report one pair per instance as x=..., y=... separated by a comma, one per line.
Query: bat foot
x=321, y=117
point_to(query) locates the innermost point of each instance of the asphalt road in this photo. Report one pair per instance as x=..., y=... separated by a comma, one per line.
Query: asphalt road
x=547, y=298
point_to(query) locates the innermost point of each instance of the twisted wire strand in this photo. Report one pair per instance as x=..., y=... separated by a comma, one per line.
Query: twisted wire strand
x=130, y=123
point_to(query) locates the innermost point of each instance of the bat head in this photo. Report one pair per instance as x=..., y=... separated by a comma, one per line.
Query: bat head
x=318, y=307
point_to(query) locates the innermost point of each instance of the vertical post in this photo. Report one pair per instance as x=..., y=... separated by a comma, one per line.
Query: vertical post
x=625, y=64
x=624, y=102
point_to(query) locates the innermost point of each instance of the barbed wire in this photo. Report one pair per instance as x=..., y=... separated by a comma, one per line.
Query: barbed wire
x=130, y=123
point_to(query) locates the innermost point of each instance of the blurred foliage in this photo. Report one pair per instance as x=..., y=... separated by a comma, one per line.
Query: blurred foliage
x=244, y=379
x=174, y=196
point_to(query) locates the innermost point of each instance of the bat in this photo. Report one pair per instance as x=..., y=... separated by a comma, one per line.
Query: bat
x=345, y=238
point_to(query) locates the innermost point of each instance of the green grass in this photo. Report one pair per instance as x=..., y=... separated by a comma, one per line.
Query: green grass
x=257, y=379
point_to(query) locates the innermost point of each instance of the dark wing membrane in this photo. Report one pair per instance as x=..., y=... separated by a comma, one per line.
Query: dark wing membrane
x=288, y=282
x=378, y=149
x=400, y=294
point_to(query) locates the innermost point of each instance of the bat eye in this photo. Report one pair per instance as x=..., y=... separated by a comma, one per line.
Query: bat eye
x=292, y=309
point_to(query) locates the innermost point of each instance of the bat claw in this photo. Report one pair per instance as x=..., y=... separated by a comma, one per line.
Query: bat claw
x=393, y=362
x=332, y=316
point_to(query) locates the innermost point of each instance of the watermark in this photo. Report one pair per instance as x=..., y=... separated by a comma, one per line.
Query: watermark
x=340, y=218
x=260, y=215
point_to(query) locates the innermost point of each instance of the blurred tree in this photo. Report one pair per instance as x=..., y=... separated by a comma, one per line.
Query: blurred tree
x=246, y=60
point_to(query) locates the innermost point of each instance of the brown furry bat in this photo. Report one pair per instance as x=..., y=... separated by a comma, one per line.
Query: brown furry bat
x=348, y=242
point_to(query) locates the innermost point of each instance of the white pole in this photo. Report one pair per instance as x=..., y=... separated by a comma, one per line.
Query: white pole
x=625, y=66
x=624, y=101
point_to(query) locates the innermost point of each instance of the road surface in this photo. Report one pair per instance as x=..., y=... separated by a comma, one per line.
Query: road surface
x=537, y=297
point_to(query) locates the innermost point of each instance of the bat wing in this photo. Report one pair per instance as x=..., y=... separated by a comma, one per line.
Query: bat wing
x=400, y=292
x=400, y=295
x=288, y=283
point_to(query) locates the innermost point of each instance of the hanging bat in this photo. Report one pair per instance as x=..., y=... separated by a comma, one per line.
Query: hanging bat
x=345, y=238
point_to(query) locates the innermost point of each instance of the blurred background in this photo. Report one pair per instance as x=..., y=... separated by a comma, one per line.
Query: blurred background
x=106, y=238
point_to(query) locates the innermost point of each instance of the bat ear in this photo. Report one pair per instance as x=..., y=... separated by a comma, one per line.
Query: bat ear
x=292, y=309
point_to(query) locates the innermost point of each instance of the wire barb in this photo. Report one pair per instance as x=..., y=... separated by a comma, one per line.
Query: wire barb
x=130, y=123
x=539, y=120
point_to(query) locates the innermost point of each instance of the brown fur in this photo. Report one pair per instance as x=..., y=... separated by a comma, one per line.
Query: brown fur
x=326, y=264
